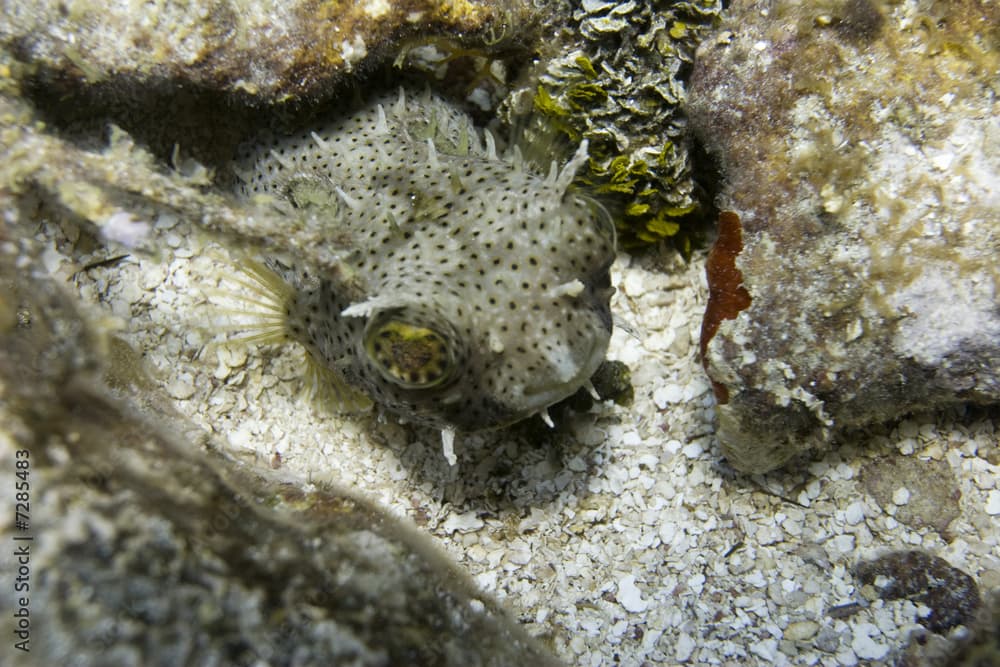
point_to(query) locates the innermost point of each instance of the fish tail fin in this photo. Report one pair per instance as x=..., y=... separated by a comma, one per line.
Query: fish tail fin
x=251, y=305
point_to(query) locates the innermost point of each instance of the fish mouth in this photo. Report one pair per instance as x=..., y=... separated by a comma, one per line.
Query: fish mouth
x=542, y=395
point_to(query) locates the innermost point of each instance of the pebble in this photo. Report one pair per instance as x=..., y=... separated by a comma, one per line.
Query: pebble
x=51, y=259
x=766, y=649
x=233, y=356
x=165, y=220
x=901, y=496
x=993, y=502
x=682, y=341
x=221, y=372
x=241, y=437
x=631, y=439
x=520, y=554
x=693, y=450
x=864, y=646
x=671, y=393
x=631, y=353
x=629, y=595
x=181, y=389
x=462, y=523
x=827, y=640
x=801, y=630
x=634, y=284
x=151, y=278
x=855, y=513
x=843, y=543
x=684, y=648
x=131, y=292
x=667, y=532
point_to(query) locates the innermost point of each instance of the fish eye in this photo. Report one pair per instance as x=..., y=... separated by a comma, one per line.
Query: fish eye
x=409, y=354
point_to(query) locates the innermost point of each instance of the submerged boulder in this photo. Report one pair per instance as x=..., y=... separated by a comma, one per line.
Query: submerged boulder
x=264, y=51
x=858, y=151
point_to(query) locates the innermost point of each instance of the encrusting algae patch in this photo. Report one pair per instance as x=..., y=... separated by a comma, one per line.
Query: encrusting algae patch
x=468, y=291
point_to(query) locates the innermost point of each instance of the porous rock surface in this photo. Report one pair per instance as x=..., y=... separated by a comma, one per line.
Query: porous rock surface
x=928, y=489
x=143, y=549
x=952, y=596
x=858, y=142
x=261, y=50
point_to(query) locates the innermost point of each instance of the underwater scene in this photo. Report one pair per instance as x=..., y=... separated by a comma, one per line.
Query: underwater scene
x=500, y=332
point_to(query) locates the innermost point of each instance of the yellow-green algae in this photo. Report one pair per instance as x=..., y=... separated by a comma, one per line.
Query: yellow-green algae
x=621, y=87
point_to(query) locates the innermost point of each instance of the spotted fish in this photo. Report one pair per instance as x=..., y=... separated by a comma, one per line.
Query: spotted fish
x=469, y=291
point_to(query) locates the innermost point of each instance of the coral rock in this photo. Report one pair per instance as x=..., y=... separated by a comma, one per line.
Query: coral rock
x=271, y=51
x=859, y=145
x=951, y=595
x=931, y=490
